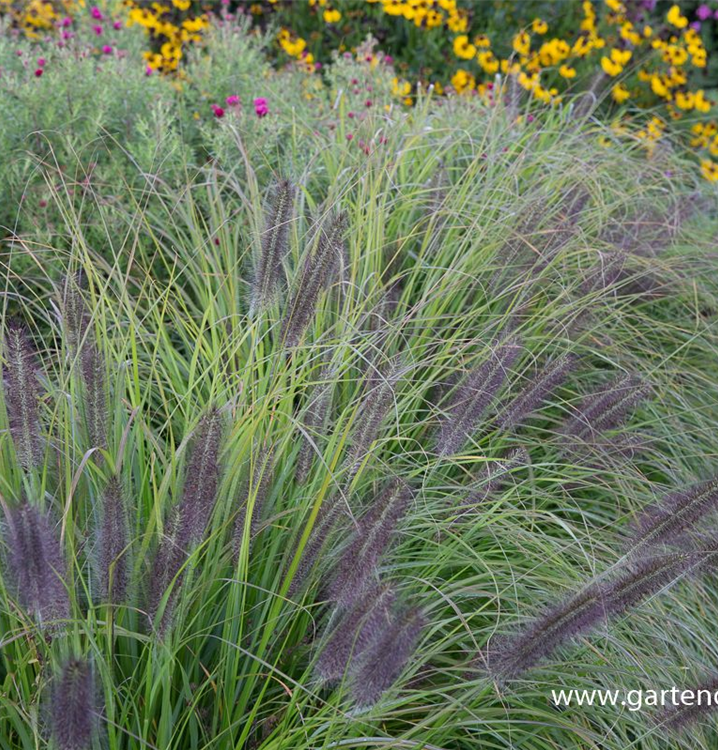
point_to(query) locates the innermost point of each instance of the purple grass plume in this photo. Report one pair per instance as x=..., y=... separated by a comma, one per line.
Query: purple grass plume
x=593, y=605
x=371, y=539
x=515, y=654
x=92, y=366
x=202, y=476
x=604, y=409
x=319, y=269
x=534, y=394
x=73, y=707
x=258, y=489
x=666, y=520
x=474, y=396
x=324, y=525
x=21, y=392
x=274, y=244
x=36, y=565
x=377, y=399
x=381, y=664
x=112, y=543
x=315, y=418
x=680, y=717
x=493, y=475
x=358, y=628
x=191, y=516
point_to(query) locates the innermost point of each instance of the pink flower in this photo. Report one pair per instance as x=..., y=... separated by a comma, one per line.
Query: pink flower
x=148, y=71
x=40, y=62
x=350, y=137
x=696, y=25
x=529, y=118
x=66, y=22
x=107, y=49
x=350, y=115
x=96, y=13
x=117, y=25
x=97, y=29
x=703, y=12
x=261, y=108
x=368, y=103
x=67, y=35
x=38, y=72
x=217, y=111
x=388, y=59
x=43, y=204
x=233, y=100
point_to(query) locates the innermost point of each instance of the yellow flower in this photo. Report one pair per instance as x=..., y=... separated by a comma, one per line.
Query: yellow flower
x=621, y=56
x=615, y=6
x=522, y=43
x=709, y=169
x=610, y=68
x=685, y=100
x=675, y=18
x=463, y=48
x=566, y=71
x=659, y=87
x=332, y=16
x=701, y=103
x=488, y=62
x=538, y=26
x=482, y=41
x=181, y=4
x=620, y=93
x=462, y=81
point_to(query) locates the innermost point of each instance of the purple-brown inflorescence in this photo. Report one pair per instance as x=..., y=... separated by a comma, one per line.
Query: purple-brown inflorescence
x=473, y=397
x=21, y=391
x=92, y=366
x=274, y=244
x=380, y=665
x=36, y=564
x=358, y=627
x=679, y=717
x=664, y=521
x=73, y=709
x=320, y=266
x=377, y=399
x=370, y=540
x=605, y=409
x=535, y=393
x=112, y=543
x=192, y=516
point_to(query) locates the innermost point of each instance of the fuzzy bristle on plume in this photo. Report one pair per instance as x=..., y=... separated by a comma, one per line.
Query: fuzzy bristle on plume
x=682, y=716
x=664, y=521
x=112, y=543
x=377, y=399
x=320, y=266
x=323, y=527
x=36, y=564
x=473, y=397
x=380, y=665
x=535, y=393
x=358, y=627
x=370, y=541
x=191, y=516
x=21, y=392
x=73, y=718
x=92, y=366
x=274, y=244
x=605, y=409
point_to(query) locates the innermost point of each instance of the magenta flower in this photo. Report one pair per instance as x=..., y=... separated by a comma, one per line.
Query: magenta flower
x=117, y=25
x=217, y=111
x=233, y=100
x=107, y=49
x=148, y=71
x=40, y=62
x=97, y=29
x=261, y=108
x=704, y=12
x=96, y=13
x=66, y=22
x=38, y=72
